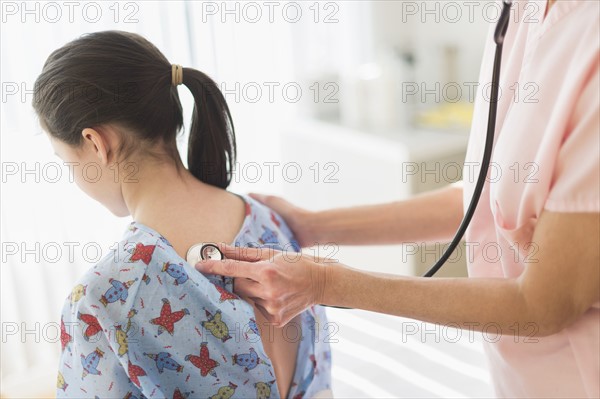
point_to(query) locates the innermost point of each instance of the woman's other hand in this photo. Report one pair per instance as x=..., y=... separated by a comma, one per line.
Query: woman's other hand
x=281, y=284
x=298, y=219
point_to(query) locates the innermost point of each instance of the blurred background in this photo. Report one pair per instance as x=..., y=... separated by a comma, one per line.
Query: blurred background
x=335, y=103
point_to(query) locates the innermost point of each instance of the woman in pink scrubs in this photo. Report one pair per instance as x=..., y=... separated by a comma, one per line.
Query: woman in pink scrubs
x=540, y=209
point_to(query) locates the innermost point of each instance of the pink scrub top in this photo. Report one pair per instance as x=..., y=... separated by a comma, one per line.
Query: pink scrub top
x=546, y=157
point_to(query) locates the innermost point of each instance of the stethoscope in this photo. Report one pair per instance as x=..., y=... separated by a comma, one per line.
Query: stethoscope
x=205, y=251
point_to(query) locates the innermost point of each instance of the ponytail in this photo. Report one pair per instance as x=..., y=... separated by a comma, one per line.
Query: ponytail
x=136, y=88
x=211, y=146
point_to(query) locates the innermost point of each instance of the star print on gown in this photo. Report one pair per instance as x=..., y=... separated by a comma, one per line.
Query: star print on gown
x=167, y=319
x=135, y=372
x=203, y=362
x=226, y=295
x=65, y=337
x=177, y=394
x=142, y=252
x=93, y=326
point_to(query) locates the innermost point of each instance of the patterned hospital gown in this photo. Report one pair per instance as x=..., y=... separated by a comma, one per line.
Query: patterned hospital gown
x=143, y=323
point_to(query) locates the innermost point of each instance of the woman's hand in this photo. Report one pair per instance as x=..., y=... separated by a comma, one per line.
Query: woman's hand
x=281, y=284
x=298, y=219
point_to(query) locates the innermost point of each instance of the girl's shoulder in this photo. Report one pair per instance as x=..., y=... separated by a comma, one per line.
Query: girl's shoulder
x=264, y=227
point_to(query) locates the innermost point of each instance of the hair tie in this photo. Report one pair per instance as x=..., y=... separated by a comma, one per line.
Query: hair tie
x=176, y=75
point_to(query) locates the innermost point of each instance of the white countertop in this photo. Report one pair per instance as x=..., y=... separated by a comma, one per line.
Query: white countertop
x=411, y=144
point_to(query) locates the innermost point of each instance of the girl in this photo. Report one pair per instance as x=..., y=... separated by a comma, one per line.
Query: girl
x=143, y=322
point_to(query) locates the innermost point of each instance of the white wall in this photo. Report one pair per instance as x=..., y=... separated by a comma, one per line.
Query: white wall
x=37, y=211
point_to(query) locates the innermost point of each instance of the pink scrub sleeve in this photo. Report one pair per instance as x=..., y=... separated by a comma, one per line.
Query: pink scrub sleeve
x=576, y=181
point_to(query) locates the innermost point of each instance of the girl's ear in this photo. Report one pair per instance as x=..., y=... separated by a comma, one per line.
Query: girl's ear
x=99, y=142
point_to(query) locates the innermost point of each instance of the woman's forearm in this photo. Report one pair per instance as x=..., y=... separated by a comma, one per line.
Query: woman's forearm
x=494, y=305
x=429, y=217
x=560, y=282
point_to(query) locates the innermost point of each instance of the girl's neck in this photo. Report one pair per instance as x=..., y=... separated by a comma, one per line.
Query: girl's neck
x=154, y=185
x=180, y=207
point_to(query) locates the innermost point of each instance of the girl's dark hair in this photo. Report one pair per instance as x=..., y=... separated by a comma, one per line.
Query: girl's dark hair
x=120, y=78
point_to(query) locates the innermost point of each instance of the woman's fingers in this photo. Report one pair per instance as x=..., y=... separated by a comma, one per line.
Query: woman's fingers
x=278, y=204
x=231, y=268
x=269, y=314
x=278, y=315
x=262, y=310
x=281, y=287
x=247, y=254
x=260, y=198
x=247, y=288
x=298, y=219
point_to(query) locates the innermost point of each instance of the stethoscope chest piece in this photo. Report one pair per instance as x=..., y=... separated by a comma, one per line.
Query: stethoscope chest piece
x=203, y=251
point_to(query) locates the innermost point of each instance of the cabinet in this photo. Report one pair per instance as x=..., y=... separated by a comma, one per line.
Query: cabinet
x=347, y=167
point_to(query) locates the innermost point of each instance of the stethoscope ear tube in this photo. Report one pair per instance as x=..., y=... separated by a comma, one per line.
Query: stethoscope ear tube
x=489, y=142
x=502, y=26
x=485, y=163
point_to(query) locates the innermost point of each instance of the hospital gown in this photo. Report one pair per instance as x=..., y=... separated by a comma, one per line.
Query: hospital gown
x=145, y=323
